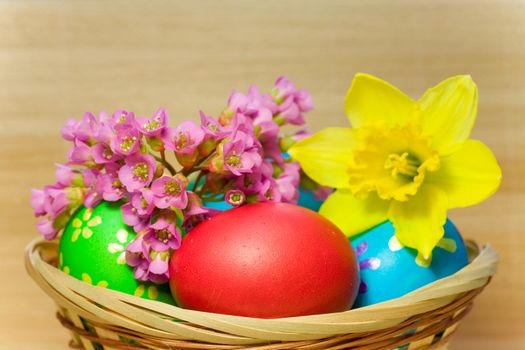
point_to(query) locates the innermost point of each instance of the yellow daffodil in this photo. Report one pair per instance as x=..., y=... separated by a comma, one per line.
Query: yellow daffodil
x=404, y=160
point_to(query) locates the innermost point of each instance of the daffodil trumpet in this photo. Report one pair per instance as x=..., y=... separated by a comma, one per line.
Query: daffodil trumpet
x=404, y=160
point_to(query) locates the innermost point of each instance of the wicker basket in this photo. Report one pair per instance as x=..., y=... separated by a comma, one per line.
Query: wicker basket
x=105, y=319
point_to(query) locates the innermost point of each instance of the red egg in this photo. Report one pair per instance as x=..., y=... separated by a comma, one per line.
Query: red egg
x=265, y=260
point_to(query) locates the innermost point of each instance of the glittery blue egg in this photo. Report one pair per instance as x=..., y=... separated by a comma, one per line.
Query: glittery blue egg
x=389, y=270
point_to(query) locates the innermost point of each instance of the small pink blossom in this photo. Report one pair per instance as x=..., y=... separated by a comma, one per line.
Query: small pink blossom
x=64, y=175
x=269, y=191
x=126, y=141
x=45, y=227
x=290, y=111
x=143, y=202
x=86, y=128
x=111, y=187
x=102, y=154
x=154, y=126
x=55, y=200
x=164, y=234
x=80, y=154
x=240, y=155
x=288, y=182
x=185, y=138
x=212, y=128
x=69, y=129
x=132, y=218
x=122, y=117
x=169, y=191
x=137, y=172
x=235, y=197
x=104, y=133
x=37, y=202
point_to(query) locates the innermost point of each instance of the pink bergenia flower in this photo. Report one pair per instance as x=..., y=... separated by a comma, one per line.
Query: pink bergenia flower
x=104, y=132
x=45, y=227
x=258, y=102
x=64, y=175
x=143, y=202
x=250, y=105
x=137, y=172
x=93, y=188
x=85, y=130
x=37, y=202
x=237, y=102
x=139, y=210
x=164, y=234
x=288, y=182
x=283, y=88
x=185, y=138
x=121, y=117
x=80, y=154
x=154, y=126
x=111, y=187
x=55, y=200
x=235, y=197
x=136, y=252
x=69, y=129
x=292, y=102
x=266, y=129
x=304, y=101
x=102, y=153
x=269, y=191
x=132, y=218
x=169, y=191
x=158, y=267
x=148, y=265
x=250, y=183
x=126, y=140
x=290, y=111
x=240, y=154
x=212, y=128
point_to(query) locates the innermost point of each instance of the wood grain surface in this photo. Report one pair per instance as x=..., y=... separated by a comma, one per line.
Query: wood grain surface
x=60, y=59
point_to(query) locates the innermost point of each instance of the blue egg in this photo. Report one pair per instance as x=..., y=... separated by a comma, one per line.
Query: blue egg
x=307, y=200
x=389, y=270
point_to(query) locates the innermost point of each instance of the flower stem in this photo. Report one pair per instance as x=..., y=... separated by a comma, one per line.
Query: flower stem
x=164, y=162
x=199, y=177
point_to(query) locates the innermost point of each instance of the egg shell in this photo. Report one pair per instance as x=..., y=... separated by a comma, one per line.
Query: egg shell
x=265, y=260
x=389, y=270
x=92, y=249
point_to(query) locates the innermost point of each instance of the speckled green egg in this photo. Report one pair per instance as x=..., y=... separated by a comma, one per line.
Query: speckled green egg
x=92, y=249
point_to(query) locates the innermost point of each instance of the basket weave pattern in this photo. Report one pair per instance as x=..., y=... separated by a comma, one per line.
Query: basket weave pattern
x=103, y=319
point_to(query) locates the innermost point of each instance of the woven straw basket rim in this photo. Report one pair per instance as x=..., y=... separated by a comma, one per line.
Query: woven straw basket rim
x=128, y=315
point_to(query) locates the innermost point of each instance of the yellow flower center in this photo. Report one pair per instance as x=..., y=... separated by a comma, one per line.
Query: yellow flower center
x=402, y=165
x=234, y=161
x=127, y=143
x=172, y=188
x=391, y=161
x=140, y=171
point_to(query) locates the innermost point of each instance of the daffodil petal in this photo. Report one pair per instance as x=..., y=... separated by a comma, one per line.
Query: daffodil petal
x=468, y=176
x=419, y=222
x=325, y=155
x=354, y=215
x=371, y=99
x=448, y=111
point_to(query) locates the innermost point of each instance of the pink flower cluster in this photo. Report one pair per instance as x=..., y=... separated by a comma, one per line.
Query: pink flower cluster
x=236, y=158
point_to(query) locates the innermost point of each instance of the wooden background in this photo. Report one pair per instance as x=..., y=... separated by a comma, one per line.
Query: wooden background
x=59, y=59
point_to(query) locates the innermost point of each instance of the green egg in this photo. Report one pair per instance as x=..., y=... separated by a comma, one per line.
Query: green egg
x=92, y=249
